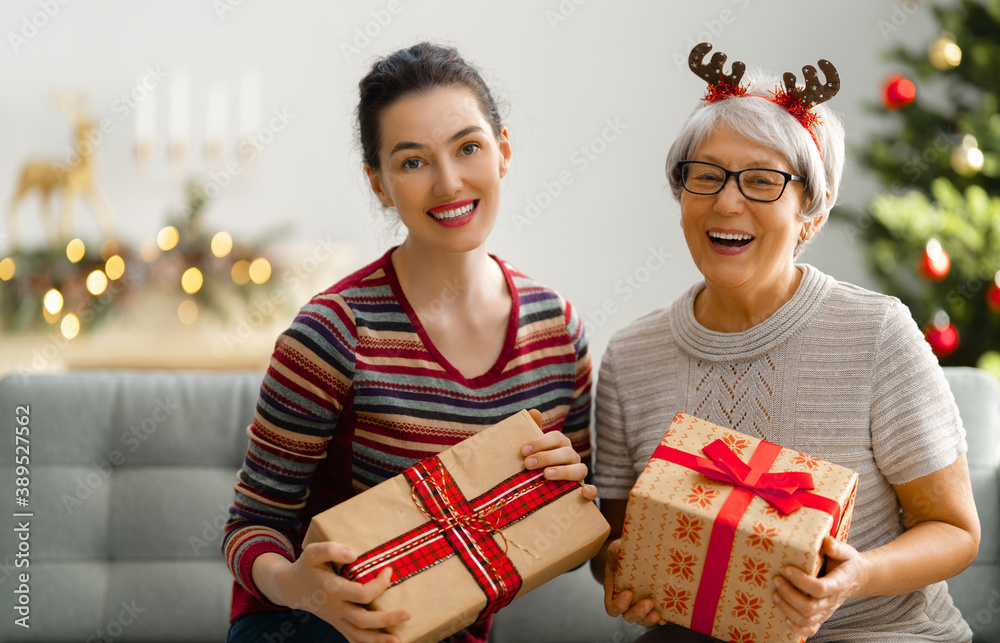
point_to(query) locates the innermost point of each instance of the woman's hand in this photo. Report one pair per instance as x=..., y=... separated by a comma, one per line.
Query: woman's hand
x=809, y=602
x=310, y=584
x=554, y=452
x=642, y=612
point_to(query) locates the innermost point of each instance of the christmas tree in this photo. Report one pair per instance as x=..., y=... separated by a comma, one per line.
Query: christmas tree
x=933, y=237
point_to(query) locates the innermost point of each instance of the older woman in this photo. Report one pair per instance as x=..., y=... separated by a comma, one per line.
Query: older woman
x=780, y=351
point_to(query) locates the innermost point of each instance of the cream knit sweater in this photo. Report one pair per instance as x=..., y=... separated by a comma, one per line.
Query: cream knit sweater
x=838, y=372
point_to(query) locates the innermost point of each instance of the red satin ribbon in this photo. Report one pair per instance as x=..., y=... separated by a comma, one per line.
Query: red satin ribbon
x=785, y=491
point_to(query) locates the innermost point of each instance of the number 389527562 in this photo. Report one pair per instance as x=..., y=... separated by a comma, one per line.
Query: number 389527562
x=22, y=450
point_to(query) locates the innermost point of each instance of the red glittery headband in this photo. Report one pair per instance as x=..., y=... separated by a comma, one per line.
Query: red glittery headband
x=797, y=102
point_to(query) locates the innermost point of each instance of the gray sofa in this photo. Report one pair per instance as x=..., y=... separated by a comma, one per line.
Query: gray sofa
x=131, y=475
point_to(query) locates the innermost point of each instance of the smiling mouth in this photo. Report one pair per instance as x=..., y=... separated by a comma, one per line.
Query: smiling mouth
x=454, y=213
x=729, y=239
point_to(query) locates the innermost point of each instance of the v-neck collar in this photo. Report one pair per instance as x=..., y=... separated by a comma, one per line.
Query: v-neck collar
x=506, y=353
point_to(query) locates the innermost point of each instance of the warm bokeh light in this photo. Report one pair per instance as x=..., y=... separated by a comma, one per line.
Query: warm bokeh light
x=967, y=159
x=241, y=272
x=50, y=317
x=222, y=244
x=53, y=301
x=7, y=269
x=109, y=249
x=167, y=238
x=75, y=250
x=260, y=270
x=187, y=312
x=149, y=251
x=97, y=281
x=191, y=281
x=70, y=326
x=115, y=267
x=944, y=53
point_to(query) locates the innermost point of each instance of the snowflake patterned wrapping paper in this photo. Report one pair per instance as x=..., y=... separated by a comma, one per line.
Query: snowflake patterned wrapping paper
x=705, y=550
x=435, y=526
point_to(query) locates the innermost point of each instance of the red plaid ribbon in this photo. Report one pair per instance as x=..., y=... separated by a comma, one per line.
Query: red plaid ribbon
x=461, y=527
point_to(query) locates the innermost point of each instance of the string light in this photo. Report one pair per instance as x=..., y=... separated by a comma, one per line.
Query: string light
x=75, y=250
x=167, y=238
x=149, y=251
x=192, y=280
x=97, y=281
x=7, y=269
x=70, y=326
x=187, y=312
x=53, y=301
x=115, y=267
x=109, y=249
x=241, y=272
x=222, y=244
x=260, y=270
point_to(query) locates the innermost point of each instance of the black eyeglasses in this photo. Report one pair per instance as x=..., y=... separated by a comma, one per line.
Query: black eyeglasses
x=756, y=184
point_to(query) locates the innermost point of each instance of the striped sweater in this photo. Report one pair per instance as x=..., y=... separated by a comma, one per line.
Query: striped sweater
x=356, y=392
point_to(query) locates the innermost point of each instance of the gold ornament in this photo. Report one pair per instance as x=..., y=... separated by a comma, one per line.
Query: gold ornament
x=944, y=53
x=967, y=158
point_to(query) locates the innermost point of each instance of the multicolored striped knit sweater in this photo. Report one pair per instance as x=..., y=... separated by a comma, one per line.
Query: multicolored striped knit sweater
x=356, y=392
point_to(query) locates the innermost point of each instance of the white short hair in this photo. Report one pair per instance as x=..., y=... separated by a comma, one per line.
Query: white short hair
x=771, y=126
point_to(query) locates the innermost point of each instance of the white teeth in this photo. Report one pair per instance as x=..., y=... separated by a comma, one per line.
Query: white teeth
x=730, y=236
x=454, y=214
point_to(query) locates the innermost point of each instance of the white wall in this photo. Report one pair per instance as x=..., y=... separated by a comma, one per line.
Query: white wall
x=565, y=69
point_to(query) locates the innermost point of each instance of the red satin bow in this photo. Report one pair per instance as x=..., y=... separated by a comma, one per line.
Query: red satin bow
x=778, y=489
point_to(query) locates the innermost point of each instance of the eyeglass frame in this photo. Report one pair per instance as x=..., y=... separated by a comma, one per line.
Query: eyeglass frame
x=736, y=175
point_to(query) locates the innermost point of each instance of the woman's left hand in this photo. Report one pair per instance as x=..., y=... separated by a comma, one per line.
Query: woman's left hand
x=807, y=601
x=556, y=455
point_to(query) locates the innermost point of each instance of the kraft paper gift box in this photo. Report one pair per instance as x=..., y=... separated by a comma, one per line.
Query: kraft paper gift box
x=704, y=544
x=440, y=538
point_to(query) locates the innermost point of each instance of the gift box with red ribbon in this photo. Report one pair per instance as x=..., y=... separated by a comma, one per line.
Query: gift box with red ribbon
x=465, y=532
x=714, y=518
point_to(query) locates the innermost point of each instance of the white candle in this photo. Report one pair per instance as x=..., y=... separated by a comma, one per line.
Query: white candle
x=180, y=112
x=216, y=121
x=145, y=128
x=249, y=104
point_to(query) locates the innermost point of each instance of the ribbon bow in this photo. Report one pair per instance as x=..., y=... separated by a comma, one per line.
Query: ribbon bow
x=778, y=489
x=781, y=490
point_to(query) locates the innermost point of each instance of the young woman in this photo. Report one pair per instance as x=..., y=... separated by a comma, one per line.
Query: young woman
x=408, y=356
x=780, y=351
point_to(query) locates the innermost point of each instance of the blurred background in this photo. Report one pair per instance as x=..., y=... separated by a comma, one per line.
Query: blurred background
x=199, y=165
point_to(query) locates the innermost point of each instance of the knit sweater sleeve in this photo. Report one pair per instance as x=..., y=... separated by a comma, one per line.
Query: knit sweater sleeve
x=577, y=424
x=916, y=429
x=307, y=386
x=613, y=472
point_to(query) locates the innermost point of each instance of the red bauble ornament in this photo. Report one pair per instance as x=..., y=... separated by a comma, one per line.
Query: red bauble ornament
x=943, y=339
x=898, y=92
x=934, y=262
x=993, y=296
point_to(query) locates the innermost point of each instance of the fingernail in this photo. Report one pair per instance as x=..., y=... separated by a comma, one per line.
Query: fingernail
x=777, y=598
x=550, y=473
x=778, y=582
x=404, y=617
x=790, y=571
x=530, y=462
x=526, y=449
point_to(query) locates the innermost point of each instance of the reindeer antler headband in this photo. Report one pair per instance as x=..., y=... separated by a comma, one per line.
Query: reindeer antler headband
x=797, y=102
